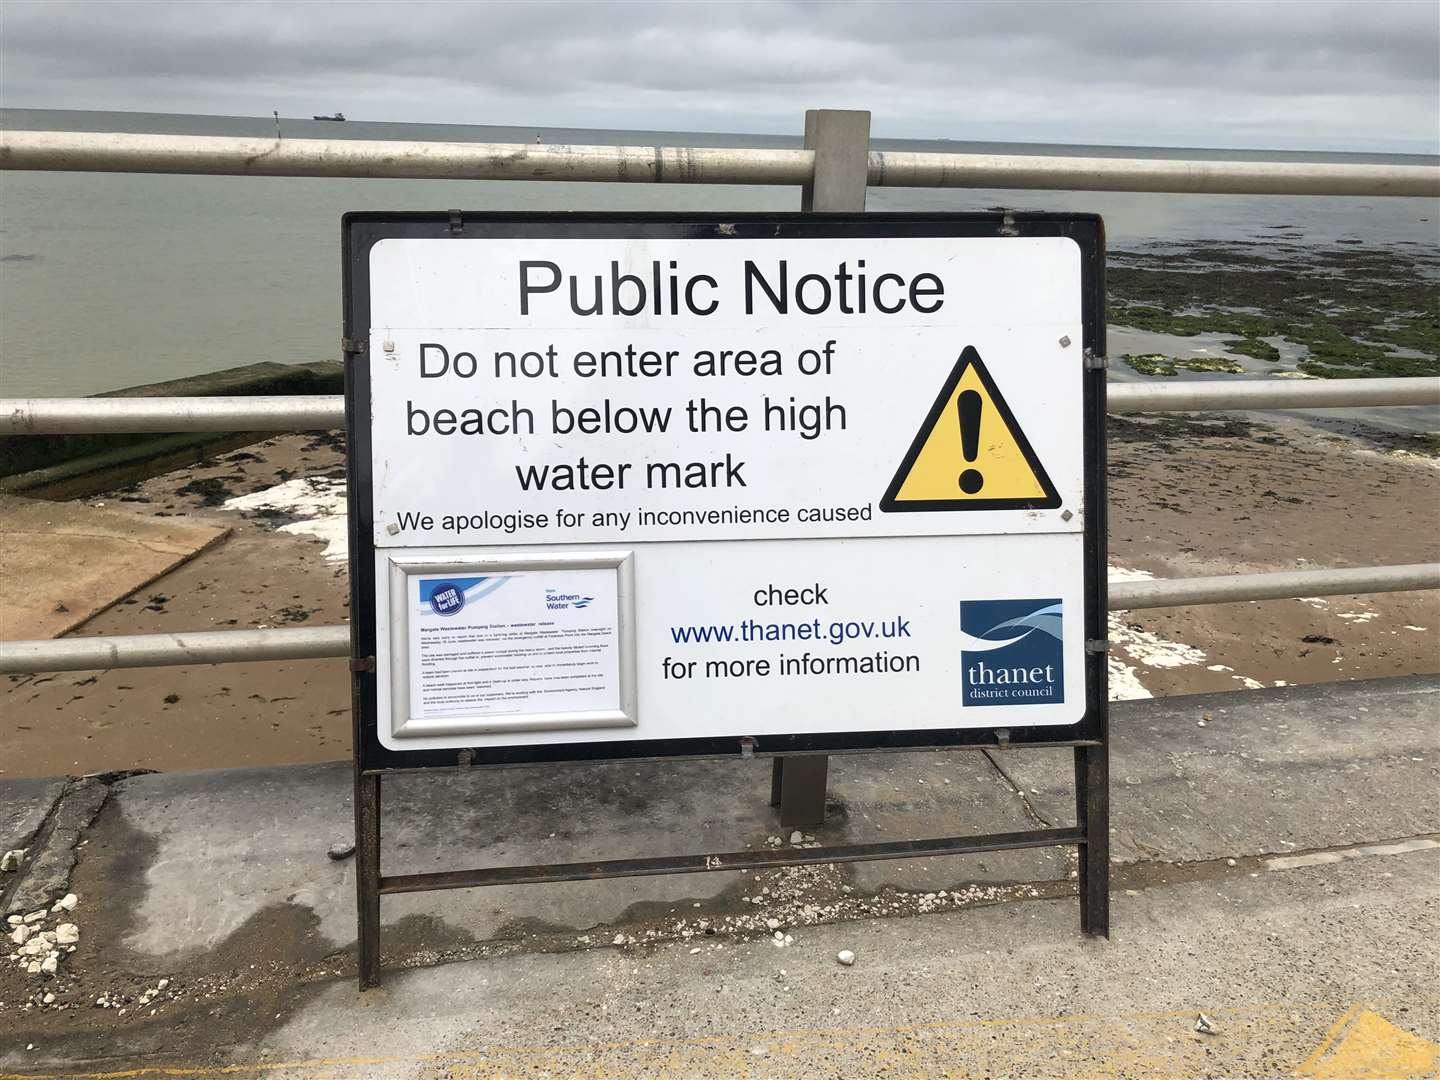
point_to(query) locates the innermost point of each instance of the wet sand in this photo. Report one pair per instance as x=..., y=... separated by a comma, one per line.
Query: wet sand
x=1188, y=496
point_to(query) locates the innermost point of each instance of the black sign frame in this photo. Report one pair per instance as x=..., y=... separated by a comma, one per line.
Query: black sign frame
x=1089, y=737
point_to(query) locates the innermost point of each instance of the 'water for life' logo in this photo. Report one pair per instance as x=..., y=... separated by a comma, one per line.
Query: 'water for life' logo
x=446, y=599
x=1011, y=652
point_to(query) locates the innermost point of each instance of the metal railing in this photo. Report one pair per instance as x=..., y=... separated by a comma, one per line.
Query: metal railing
x=221, y=155
x=112, y=152
x=318, y=412
x=320, y=642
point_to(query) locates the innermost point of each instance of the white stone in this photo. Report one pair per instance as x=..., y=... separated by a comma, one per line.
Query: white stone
x=11, y=859
x=67, y=933
x=47, y=999
x=20, y=933
x=846, y=957
x=50, y=965
x=162, y=984
x=33, y=967
x=797, y=837
x=67, y=902
x=14, y=920
x=619, y=939
x=35, y=916
x=773, y=924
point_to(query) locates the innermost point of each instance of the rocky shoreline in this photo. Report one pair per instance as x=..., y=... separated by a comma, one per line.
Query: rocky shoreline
x=1332, y=313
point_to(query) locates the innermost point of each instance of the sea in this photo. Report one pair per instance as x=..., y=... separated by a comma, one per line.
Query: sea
x=114, y=280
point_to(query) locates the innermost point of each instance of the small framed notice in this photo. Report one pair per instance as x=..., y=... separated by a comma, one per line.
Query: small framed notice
x=481, y=643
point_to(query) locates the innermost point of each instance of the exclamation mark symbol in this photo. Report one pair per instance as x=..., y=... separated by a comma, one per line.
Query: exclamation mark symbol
x=969, y=405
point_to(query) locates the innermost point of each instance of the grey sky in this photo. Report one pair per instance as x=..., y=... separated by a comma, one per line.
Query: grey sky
x=1343, y=75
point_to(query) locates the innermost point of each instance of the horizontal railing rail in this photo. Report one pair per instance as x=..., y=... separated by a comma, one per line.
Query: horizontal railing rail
x=1262, y=394
x=169, y=650
x=325, y=642
x=164, y=415
x=1279, y=585
x=85, y=151
x=66, y=416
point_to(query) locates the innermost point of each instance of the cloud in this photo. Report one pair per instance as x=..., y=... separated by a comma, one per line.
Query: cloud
x=1361, y=74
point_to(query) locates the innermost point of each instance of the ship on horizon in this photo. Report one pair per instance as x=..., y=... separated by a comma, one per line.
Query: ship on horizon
x=336, y=116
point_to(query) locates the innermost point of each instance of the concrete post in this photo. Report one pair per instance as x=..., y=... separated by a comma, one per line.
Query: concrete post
x=841, y=141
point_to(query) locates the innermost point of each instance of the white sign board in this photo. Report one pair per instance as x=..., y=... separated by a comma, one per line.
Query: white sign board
x=841, y=477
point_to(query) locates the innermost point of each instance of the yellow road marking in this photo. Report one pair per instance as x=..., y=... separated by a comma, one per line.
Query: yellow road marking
x=1364, y=1044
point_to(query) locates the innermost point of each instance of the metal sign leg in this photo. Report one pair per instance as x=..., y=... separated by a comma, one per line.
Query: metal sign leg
x=1092, y=815
x=797, y=786
x=367, y=876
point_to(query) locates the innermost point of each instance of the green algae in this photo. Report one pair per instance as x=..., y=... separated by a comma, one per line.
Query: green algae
x=1150, y=363
x=1261, y=350
x=1160, y=364
x=1353, y=313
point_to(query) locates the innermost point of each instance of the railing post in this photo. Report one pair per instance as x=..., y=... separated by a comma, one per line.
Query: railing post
x=841, y=141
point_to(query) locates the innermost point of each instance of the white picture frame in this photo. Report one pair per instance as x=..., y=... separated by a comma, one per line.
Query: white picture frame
x=403, y=569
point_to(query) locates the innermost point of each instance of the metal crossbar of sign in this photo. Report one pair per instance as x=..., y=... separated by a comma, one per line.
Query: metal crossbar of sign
x=657, y=486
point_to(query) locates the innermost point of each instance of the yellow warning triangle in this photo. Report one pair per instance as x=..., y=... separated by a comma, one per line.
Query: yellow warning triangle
x=970, y=454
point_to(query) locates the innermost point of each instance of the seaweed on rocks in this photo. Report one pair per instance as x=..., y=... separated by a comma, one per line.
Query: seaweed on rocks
x=1355, y=313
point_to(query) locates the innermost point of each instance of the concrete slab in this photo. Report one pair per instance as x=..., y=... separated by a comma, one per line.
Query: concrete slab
x=24, y=805
x=1008, y=990
x=1281, y=963
x=259, y=837
x=1262, y=771
x=219, y=883
x=66, y=562
x=45, y=875
x=1272, y=772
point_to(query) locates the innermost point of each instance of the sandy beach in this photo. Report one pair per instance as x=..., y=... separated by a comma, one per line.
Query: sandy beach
x=1189, y=495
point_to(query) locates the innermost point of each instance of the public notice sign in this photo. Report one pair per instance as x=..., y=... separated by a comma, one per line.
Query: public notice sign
x=656, y=485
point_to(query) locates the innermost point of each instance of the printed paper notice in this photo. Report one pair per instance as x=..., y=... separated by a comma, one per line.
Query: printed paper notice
x=533, y=641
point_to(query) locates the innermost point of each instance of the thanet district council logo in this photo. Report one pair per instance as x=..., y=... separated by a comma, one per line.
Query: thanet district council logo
x=1011, y=652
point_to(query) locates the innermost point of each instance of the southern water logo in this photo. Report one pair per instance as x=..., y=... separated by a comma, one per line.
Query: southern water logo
x=558, y=601
x=1011, y=653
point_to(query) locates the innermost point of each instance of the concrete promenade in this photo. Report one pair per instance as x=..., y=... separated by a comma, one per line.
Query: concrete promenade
x=1276, y=868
